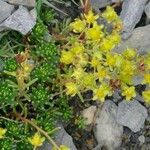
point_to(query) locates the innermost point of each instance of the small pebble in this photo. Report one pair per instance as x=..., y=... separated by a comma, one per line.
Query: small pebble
x=141, y=138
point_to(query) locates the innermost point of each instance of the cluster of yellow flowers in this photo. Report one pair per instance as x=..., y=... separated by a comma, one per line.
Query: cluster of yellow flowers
x=92, y=65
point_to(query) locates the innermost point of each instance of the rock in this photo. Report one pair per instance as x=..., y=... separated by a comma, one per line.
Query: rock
x=28, y=3
x=33, y=13
x=107, y=131
x=139, y=40
x=147, y=10
x=132, y=115
x=97, y=4
x=137, y=80
x=141, y=138
x=21, y=20
x=62, y=137
x=5, y=10
x=139, y=98
x=116, y=96
x=131, y=13
x=89, y=113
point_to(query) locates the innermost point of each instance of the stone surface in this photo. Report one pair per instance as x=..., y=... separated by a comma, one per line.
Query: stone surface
x=131, y=13
x=96, y=4
x=139, y=40
x=89, y=113
x=132, y=115
x=141, y=138
x=62, y=137
x=147, y=10
x=107, y=131
x=5, y=10
x=21, y=20
x=28, y=3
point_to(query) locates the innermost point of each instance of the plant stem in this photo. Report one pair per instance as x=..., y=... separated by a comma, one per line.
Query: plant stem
x=34, y=148
x=38, y=129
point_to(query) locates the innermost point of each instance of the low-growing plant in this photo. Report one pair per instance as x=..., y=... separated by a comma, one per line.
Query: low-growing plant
x=31, y=101
x=37, y=79
x=91, y=64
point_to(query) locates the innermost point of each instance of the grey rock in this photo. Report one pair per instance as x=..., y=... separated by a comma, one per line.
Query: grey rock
x=33, y=13
x=141, y=138
x=132, y=115
x=62, y=137
x=97, y=4
x=139, y=97
x=116, y=1
x=28, y=3
x=139, y=40
x=147, y=10
x=5, y=10
x=131, y=13
x=21, y=20
x=117, y=96
x=88, y=114
x=137, y=80
x=107, y=131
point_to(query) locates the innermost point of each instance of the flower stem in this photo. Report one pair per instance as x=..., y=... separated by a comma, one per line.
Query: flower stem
x=38, y=129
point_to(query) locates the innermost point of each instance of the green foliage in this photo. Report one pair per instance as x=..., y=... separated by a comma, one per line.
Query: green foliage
x=29, y=85
x=10, y=64
x=47, y=15
x=7, y=93
x=44, y=72
x=48, y=51
x=40, y=96
x=80, y=122
x=6, y=144
x=65, y=110
x=38, y=31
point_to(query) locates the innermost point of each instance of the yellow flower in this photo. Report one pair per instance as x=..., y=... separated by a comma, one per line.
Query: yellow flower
x=81, y=60
x=94, y=62
x=110, y=60
x=71, y=88
x=77, y=48
x=90, y=17
x=115, y=38
x=146, y=79
x=119, y=60
x=97, y=54
x=102, y=92
x=36, y=140
x=110, y=15
x=78, y=73
x=147, y=61
x=107, y=45
x=66, y=57
x=64, y=147
x=129, y=53
x=88, y=80
x=129, y=92
x=146, y=96
x=2, y=132
x=128, y=67
x=94, y=33
x=78, y=26
x=102, y=73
